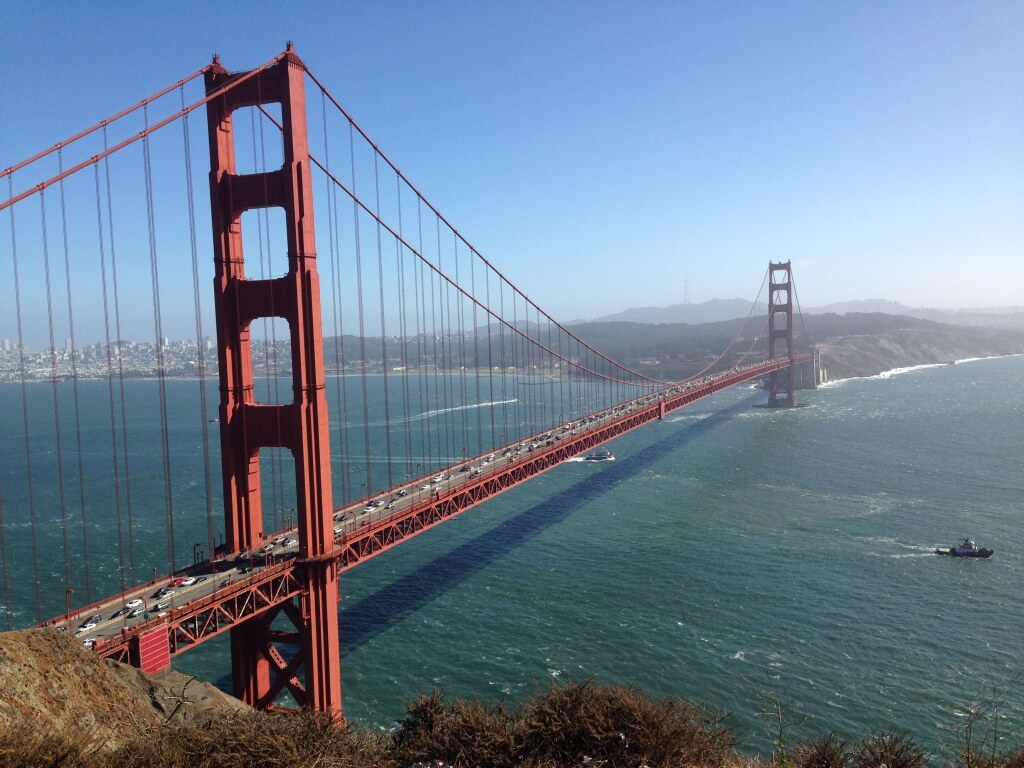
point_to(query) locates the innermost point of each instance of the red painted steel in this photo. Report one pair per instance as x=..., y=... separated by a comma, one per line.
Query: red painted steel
x=247, y=426
x=154, y=655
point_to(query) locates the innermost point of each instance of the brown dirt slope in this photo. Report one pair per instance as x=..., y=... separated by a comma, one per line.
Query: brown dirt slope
x=49, y=679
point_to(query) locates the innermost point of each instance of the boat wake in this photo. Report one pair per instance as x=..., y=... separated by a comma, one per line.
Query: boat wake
x=442, y=411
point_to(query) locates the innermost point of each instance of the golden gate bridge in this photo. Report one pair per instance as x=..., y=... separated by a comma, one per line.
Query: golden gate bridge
x=447, y=383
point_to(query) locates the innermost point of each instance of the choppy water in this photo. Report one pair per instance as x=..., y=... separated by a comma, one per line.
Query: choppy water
x=728, y=552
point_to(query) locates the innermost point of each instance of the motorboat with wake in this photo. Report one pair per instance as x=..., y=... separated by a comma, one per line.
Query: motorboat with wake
x=965, y=548
x=599, y=456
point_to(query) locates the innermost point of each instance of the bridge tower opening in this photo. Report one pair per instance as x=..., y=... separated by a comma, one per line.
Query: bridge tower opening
x=259, y=670
x=780, y=330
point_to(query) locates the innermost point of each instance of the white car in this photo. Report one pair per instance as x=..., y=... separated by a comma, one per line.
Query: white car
x=132, y=604
x=188, y=581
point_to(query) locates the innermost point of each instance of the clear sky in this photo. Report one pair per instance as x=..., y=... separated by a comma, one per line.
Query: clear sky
x=602, y=153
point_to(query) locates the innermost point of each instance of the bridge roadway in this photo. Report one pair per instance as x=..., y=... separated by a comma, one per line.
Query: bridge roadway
x=199, y=603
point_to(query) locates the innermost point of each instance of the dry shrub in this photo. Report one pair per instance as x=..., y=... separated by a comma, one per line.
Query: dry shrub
x=827, y=751
x=888, y=750
x=463, y=733
x=31, y=745
x=1014, y=759
x=619, y=727
x=254, y=739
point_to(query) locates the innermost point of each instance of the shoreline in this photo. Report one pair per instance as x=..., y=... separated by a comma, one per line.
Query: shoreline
x=913, y=368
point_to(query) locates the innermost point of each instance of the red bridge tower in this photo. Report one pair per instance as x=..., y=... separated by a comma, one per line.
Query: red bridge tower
x=780, y=328
x=258, y=670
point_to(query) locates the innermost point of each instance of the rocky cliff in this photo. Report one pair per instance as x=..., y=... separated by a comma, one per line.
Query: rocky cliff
x=49, y=679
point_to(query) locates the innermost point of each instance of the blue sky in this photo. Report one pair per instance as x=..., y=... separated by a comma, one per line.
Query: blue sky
x=602, y=153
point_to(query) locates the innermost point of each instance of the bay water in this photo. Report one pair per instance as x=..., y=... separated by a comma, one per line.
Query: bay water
x=732, y=555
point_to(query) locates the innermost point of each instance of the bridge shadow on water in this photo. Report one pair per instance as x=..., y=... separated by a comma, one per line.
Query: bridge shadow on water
x=377, y=612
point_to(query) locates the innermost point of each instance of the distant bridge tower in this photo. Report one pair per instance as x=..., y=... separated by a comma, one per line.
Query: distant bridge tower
x=259, y=671
x=780, y=329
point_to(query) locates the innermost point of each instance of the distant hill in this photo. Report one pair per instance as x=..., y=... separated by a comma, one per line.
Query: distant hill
x=717, y=310
x=707, y=312
x=851, y=344
x=994, y=317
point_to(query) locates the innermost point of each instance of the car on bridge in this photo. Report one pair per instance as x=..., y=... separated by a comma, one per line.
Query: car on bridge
x=132, y=604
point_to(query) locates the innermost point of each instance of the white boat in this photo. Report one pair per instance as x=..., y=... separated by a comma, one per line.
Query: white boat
x=599, y=456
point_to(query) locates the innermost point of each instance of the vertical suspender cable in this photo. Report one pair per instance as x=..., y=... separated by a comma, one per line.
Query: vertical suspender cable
x=438, y=401
x=115, y=462
x=403, y=319
x=383, y=329
x=200, y=350
x=444, y=447
x=120, y=362
x=490, y=351
x=24, y=413
x=74, y=384
x=158, y=332
x=426, y=438
x=56, y=397
x=462, y=355
x=477, y=368
x=339, y=327
x=504, y=368
x=362, y=321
